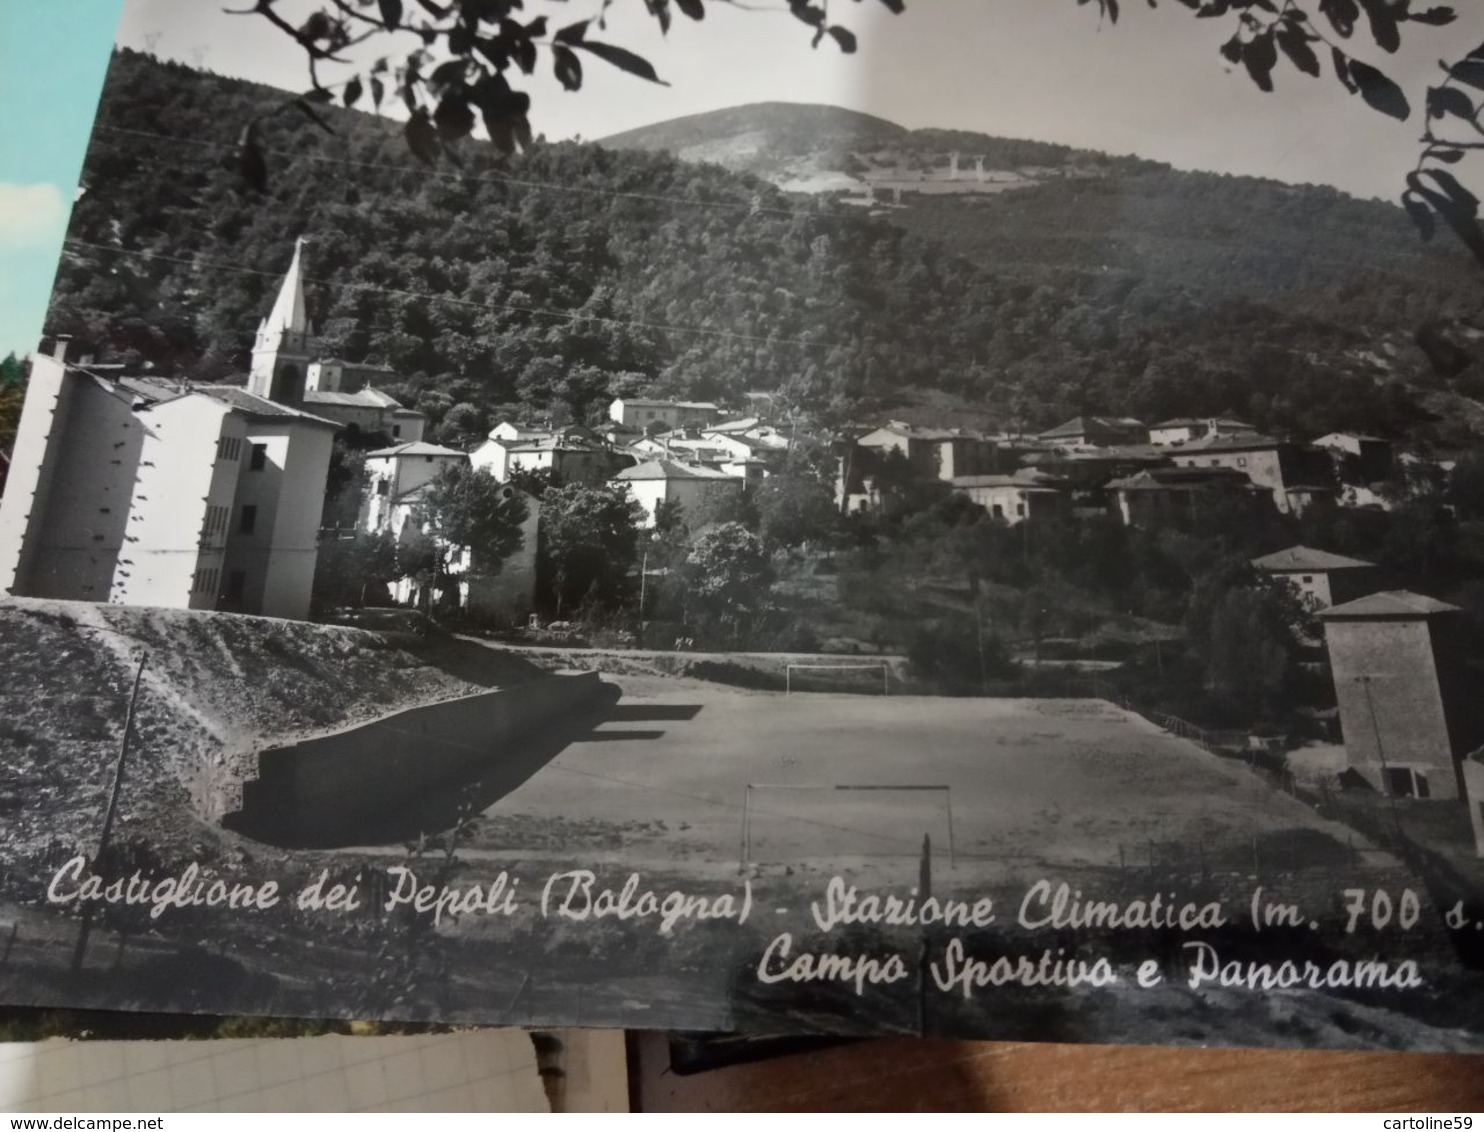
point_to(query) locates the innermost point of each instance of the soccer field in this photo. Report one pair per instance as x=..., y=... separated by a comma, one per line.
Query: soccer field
x=666, y=773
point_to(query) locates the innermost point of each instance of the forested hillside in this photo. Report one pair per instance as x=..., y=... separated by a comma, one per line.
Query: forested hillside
x=576, y=272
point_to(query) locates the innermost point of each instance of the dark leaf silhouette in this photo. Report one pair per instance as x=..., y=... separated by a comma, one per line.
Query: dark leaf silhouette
x=1382, y=17
x=1436, y=17
x=567, y=66
x=1379, y=91
x=391, y=12
x=843, y=37
x=252, y=167
x=1259, y=56
x=1420, y=214
x=422, y=137
x=353, y=91
x=1469, y=71
x=1445, y=100
x=1341, y=14
x=623, y=59
x=1295, y=44
x=695, y=9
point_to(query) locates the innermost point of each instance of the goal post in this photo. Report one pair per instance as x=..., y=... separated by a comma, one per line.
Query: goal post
x=824, y=809
x=872, y=666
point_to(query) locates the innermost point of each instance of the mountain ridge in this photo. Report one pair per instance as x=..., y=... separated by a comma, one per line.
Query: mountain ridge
x=581, y=271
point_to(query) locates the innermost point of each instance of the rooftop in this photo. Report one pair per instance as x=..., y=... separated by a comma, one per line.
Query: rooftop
x=647, y=403
x=1242, y=443
x=367, y=398
x=414, y=448
x=1025, y=478
x=670, y=470
x=1180, y=479
x=1388, y=605
x=1077, y=426
x=1300, y=558
x=922, y=432
x=260, y=407
x=1193, y=422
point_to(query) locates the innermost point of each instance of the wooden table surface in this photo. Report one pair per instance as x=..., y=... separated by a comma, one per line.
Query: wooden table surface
x=940, y=1075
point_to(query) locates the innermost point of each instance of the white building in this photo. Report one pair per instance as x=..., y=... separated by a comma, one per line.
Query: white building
x=1182, y=430
x=665, y=481
x=394, y=474
x=209, y=499
x=641, y=413
x=570, y=458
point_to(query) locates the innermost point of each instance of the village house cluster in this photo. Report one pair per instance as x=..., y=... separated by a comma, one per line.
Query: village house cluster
x=131, y=488
x=1148, y=475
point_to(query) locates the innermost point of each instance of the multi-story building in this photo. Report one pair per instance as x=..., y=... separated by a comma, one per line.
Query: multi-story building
x=207, y=499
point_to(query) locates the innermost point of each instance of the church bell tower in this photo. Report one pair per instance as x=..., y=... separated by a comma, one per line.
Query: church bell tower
x=280, y=355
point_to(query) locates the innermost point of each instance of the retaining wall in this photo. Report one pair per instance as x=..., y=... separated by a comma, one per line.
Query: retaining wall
x=326, y=789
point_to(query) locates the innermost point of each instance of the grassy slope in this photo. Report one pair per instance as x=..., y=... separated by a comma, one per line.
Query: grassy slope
x=215, y=687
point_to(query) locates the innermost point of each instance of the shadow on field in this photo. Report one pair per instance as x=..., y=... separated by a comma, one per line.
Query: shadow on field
x=507, y=769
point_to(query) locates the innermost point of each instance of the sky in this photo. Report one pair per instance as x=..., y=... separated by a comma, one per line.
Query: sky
x=45, y=115
x=1153, y=85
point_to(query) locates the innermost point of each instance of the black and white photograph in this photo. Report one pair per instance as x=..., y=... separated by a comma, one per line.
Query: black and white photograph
x=795, y=517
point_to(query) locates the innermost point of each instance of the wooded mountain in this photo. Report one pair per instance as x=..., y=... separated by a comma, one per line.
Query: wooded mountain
x=579, y=271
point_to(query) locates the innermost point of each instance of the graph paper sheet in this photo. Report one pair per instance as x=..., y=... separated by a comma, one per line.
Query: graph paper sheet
x=485, y=1070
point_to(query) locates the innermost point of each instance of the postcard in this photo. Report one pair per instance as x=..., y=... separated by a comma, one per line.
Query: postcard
x=792, y=519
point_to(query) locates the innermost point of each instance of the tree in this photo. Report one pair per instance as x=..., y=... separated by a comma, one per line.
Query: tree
x=465, y=527
x=1250, y=655
x=588, y=544
x=795, y=508
x=13, y=374
x=1466, y=485
x=726, y=576
x=355, y=571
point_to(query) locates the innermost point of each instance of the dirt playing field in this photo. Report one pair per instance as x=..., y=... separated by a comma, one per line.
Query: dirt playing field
x=1031, y=783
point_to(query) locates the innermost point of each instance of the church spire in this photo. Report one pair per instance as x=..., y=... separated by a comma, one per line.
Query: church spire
x=288, y=309
x=280, y=356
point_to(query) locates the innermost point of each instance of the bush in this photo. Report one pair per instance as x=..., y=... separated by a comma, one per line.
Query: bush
x=956, y=658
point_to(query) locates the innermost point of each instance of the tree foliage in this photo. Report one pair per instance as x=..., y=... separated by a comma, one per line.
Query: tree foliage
x=467, y=509
x=588, y=545
x=726, y=577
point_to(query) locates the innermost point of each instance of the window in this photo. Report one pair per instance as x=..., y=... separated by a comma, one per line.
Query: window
x=1020, y=510
x=396, y=431
x=998, y=511
x=1405, y=782
x=1241, y=461
x=383, y=487
x=1215, y=463
x=259, y=459
x=228, y=448
x=1308, y=578
x=249, y=519
x=206, y=579
x=216, y=521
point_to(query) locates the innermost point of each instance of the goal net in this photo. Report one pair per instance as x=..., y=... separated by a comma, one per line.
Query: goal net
x=860, y=677
x=790, y=823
